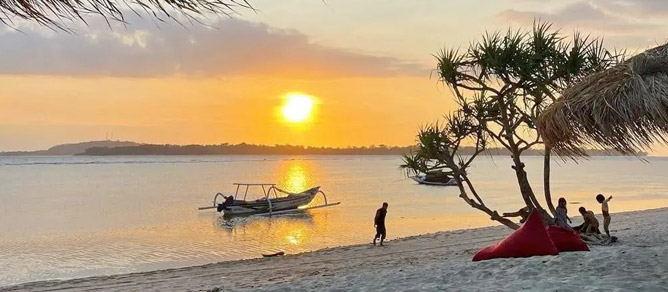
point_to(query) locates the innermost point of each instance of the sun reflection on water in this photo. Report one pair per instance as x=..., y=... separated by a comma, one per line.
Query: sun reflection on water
x=295, y=175
x=295, y=236
x=288, y=230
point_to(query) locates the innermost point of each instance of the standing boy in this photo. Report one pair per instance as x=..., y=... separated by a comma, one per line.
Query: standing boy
x=606, y=211
x=379, y=223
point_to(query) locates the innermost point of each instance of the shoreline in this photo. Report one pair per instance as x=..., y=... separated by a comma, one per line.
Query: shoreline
x=434, y=261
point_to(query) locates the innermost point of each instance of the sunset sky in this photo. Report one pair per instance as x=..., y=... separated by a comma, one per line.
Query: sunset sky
x=365, y=63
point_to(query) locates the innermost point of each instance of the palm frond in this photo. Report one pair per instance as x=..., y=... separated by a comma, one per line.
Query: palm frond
x=57, y=13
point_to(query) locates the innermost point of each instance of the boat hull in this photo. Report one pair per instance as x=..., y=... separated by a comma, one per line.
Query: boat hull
x=421, y=180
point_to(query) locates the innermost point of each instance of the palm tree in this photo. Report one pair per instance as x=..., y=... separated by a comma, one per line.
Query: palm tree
x=502, y=84
x=56, y=13
x=624, y=108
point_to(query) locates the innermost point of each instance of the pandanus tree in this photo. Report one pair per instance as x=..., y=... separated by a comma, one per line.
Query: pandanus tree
x=58, y=13
x=501, y=84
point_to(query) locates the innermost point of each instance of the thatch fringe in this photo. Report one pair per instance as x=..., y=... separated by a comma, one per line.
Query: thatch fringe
x=624, y=108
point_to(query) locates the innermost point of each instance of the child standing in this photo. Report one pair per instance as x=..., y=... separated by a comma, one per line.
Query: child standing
x=606, y=211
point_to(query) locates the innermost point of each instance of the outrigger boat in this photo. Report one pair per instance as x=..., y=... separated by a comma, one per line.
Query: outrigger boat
x=435, y=178
x=423, y=181
x=290, y=203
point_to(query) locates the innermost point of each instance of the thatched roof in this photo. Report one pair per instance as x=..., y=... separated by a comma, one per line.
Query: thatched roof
x=624, y=108
x=56, y=13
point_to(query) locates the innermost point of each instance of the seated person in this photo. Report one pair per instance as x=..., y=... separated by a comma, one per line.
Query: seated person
x=590, y=224
x=561, y=215
x=229, y=201
x=524, y=213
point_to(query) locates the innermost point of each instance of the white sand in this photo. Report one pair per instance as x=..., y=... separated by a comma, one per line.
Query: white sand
x=433, y=262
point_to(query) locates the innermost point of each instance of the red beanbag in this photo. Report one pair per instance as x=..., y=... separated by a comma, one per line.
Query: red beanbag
x=531, y=239
x=566, y=240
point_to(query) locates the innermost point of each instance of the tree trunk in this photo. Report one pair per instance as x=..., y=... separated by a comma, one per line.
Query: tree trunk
x=525, y=187
x=546, y=179
x=494, y=215
x=522, y=180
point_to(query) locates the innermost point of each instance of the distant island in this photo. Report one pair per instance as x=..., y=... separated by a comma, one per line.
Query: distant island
x=110, y=148
x=71, y=148
x=253, y=149
x=244, y=149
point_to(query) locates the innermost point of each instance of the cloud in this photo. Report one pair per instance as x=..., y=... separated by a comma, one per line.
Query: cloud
x=142, y=49
x=623, y=24
x=582, y=14
x=636, y=8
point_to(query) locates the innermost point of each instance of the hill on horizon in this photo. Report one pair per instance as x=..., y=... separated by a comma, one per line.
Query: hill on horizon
x=254, y=149
x=111, y=148
x=72, y=148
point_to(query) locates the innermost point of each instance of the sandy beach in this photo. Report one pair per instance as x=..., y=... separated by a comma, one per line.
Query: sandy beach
x=431, y=262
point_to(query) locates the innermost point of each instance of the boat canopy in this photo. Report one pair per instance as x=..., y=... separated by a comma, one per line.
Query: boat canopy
x=267, y=189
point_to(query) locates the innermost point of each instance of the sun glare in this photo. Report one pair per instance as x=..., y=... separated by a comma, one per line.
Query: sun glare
x=297, y=108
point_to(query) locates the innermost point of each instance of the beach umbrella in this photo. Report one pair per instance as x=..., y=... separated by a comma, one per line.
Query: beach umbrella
x=55, y=13
x=624, y=108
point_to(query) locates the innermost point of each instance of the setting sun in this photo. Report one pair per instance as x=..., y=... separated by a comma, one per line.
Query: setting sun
x=297, y=108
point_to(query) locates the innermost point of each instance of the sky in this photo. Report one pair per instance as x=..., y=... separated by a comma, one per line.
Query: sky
x=367, y=65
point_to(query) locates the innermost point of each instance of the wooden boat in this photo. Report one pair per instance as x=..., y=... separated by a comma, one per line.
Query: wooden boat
x=290, y=202
x=435, y=178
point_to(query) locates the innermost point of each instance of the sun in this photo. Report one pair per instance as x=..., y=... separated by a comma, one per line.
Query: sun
x=297, y=108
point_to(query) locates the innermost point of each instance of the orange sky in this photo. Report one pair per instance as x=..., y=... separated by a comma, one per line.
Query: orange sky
x=367, y=63
x=348, y=111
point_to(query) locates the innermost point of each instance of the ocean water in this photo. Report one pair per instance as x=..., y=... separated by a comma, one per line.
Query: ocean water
x=68, y=217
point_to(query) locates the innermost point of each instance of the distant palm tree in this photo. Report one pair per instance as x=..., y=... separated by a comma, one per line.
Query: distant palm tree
x=57, y=13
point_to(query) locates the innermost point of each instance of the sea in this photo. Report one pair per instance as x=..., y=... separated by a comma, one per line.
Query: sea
x=80, y=216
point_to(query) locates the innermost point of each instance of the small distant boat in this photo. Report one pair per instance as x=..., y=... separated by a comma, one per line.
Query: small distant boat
x=288, y=203
x=421, y=180
x=436, y=178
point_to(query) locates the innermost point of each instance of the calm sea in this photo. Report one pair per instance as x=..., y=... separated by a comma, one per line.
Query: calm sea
x=65, y=217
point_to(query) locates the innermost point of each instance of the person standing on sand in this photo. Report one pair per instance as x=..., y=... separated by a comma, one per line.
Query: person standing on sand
x=606, y=212
x=379, y=223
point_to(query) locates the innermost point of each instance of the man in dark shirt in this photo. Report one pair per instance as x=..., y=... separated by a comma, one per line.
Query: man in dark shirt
x=379, y=223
